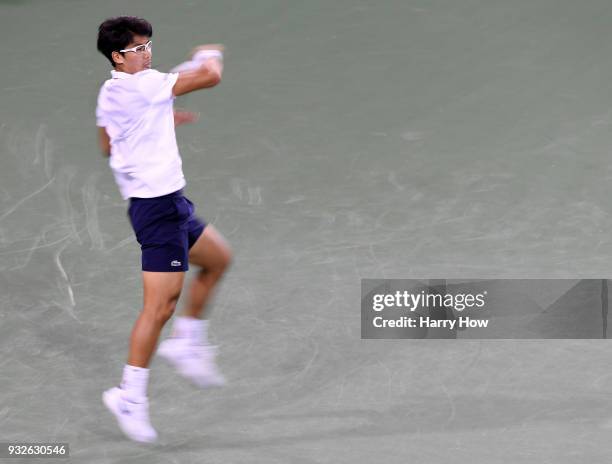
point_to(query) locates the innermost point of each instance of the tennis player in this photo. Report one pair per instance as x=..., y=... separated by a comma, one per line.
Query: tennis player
x=136, y=123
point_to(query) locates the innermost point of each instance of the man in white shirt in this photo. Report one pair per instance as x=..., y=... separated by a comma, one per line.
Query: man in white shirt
x=136, y=124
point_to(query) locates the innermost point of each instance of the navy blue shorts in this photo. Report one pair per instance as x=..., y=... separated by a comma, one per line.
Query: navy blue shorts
x=166, y=229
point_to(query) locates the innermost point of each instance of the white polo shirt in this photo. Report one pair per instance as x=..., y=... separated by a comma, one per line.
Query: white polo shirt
x=137, y=112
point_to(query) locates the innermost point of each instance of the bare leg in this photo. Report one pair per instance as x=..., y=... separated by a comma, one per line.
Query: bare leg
x=161, y=292
x=129, y=402
x=213, y=255
x=188, y=348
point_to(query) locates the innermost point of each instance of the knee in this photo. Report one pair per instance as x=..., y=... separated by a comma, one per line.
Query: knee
x=216, y=271
x=222, y=265
x=226, y=260
x=162, y=312
x=167, y=312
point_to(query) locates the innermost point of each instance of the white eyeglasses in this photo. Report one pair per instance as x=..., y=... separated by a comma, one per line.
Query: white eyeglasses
x=139, y=49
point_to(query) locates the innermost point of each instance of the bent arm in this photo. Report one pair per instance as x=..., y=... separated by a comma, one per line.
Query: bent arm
x=207, y=75
x=104, y=141
x=203, y=71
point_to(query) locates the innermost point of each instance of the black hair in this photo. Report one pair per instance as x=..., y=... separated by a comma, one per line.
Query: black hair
x=115, y=34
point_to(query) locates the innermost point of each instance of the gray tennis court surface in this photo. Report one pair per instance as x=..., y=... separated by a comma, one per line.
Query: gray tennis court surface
x=430, y=139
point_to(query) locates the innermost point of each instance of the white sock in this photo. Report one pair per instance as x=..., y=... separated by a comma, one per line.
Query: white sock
x=195, y=330
x=134, y=383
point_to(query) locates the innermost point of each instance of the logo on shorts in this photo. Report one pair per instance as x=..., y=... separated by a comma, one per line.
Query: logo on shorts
x=175, y=263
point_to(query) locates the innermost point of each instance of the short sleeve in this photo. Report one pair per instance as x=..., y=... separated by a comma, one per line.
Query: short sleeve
x=101, y=117
x=157, y=86
x=101, y=120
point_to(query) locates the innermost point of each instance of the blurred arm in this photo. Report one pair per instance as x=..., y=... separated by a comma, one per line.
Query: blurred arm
x=184, y=117
x=104, y=141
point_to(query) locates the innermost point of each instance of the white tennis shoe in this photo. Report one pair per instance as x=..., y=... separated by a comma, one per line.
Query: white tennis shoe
x=194, y=362
x=133, y=418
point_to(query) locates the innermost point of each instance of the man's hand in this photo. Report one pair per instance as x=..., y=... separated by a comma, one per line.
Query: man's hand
x=185, y=117
x=214, y=65
x=218, y=47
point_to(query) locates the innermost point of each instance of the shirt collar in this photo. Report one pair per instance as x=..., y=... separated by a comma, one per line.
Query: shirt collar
x=123, y=75
x=120, y=74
